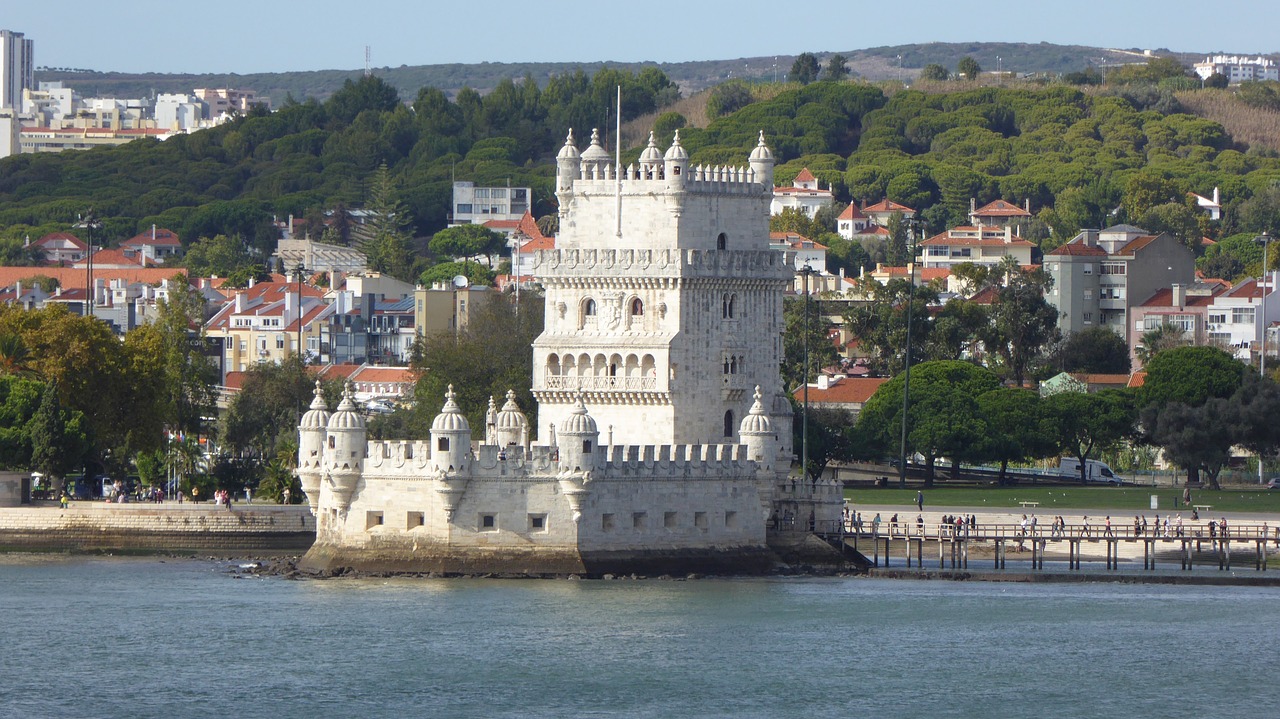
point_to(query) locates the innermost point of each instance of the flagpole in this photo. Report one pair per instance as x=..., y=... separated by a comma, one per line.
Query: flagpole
x=617, y=161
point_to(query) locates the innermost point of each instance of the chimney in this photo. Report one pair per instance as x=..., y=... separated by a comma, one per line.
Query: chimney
x=153, y=232
x=1179, y=295
x=973, y=205
x=824, y=382
x=1026, y=205
x=1215, y=196
x=252, y=281
x=239, y=302
x=1008, y=234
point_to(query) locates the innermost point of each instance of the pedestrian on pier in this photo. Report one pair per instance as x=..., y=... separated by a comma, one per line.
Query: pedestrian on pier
x=875, y=524
x=1137, y=526
x=1108, y=532
x=1084, y=528
x=893, y=524
x=920, y=500
x=920, y=524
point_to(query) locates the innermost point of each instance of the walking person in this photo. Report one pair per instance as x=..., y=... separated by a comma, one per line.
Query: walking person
x=875, y=525
x=1108, y=530
x=1084, y=527
x=920, y=500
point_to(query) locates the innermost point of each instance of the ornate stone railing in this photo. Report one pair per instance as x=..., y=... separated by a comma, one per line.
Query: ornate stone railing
x=593, y=383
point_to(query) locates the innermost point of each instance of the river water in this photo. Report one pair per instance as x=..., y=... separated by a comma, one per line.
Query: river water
x=103, y=637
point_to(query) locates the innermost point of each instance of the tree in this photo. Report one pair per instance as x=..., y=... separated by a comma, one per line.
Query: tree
x=880, y=325
x=1175, y=219
x=828, y=438
x=837, y=68
x=1096, y=350
x=384, y=238
x=1086, y=424
x=20, y=398
x=1217, y=80
x=822, y=353
x=1176, y=408
x=1023, y=323
x=58, y=441
x=943, y=416
x=1157, y=340
x=467, y=241
x=935, y=72
x=805, y=69
x=492, y=354
x=1190, y=375
x=14, y=356
x=445, y=272
x=727, y=98
x=265, y=412
x=218, y=256
x=1015, y=428
x=969, y=68
x=167, y=359
x=898, y=251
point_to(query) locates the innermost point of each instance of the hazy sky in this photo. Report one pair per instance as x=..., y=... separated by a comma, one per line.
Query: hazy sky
x=279, y=35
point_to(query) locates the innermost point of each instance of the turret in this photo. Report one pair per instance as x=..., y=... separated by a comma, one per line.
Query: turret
x=568, y=165
x=511, y=426
x=450, y=437
x=761, y=161
x=756, y=432
x=311, y=440
x=651, y=167
x=676, y=163
x=595, y=159
x=345, y=450
x=578, y=440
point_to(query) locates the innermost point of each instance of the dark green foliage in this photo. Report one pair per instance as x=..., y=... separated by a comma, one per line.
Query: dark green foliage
x=1085, y=424
x=265, y=413
x=728, y=98
x=969, y=68
x=805, y=69
x=1217, y=80
x=1190, y=375
x=837, y=68
x=58, y=440
x=1096, y=350
x=489, y=356
x=935, y=72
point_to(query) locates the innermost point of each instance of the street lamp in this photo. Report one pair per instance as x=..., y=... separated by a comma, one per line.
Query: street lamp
x=298, y=271
x=913, y=226
x=1265, y=240
x=89, y=222
x=805, y=272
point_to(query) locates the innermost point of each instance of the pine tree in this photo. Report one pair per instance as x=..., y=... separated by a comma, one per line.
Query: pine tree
x=57, y=446
x=384, y=237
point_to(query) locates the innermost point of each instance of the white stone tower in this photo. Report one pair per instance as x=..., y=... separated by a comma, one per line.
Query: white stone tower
x=663, y=297
x=344, y=452
x=311, y=439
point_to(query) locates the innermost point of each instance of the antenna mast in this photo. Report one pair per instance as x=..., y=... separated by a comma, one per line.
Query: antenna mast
x=368, y=56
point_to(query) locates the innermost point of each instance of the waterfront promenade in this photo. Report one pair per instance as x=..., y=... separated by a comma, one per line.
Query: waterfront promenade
x=156, y=527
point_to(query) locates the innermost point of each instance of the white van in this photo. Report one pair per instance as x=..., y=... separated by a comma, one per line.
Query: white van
x=1095, y=472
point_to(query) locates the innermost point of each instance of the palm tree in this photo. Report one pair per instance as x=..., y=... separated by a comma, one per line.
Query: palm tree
x=1157, y=340
x=14, y=356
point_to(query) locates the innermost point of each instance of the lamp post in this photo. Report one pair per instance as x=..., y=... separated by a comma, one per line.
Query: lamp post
x=298, y=273
x=89, y=222
x=913, y=226
x=805, y=272
x=1265, y=240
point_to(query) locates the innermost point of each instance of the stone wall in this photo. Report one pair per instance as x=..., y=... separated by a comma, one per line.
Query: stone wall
x=145, y=527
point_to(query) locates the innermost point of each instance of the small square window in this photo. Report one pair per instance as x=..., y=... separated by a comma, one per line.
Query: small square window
x=372, y=519
x=606, y=522
x=488, y=523
x=700, y=520
x=638, y=520
x=414, y=519
x=669, y=520
x=537, y=522
x=730, y=519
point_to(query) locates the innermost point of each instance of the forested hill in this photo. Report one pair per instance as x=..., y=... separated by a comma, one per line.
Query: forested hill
x=1081, y=156
x=877, y=63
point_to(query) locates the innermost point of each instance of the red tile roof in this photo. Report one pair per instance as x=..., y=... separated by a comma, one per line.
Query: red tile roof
x=887, y=206
x=69, y=277
x=163, y=238
x=384, y=374
x=852, y=213
x=805, y=176
x=1000, y=208
x=926, y=274
x=337, y=371
x=850, y=390
x=1137, y=379
x=1164, y=298
x=1078, y=249
x=796, y=241
x=116, y=257
x=1119, y=380
x=1137, y=244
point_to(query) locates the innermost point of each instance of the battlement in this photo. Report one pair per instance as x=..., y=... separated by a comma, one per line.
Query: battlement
x=410, y=460
x=661, y=263
x=644, y=179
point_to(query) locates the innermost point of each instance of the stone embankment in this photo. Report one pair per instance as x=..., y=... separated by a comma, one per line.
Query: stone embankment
x=168, y=527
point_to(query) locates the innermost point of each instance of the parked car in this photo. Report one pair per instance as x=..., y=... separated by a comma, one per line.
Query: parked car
x=1274, y=483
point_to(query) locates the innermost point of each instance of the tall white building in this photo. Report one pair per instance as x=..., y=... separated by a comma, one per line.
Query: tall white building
x=663, y=434
x=17, y=68
x=478, y=205
x=1238, y=69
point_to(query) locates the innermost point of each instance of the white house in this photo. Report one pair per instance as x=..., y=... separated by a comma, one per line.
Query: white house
x=803, y=195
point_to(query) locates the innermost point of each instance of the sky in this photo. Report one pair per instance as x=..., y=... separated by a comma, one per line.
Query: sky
x=235, y=36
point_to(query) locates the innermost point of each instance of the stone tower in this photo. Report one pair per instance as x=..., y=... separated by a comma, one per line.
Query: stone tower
x=663, y=298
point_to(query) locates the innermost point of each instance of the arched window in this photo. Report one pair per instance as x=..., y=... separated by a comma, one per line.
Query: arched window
x=733, y=365
x=332, y=442
x=637, y=307
x=443, y=444
x=728, y=423
x=721, y=240
x=726, y=366
x=589, y=309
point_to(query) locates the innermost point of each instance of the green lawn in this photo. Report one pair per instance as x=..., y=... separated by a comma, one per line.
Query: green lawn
x=1120, y=498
